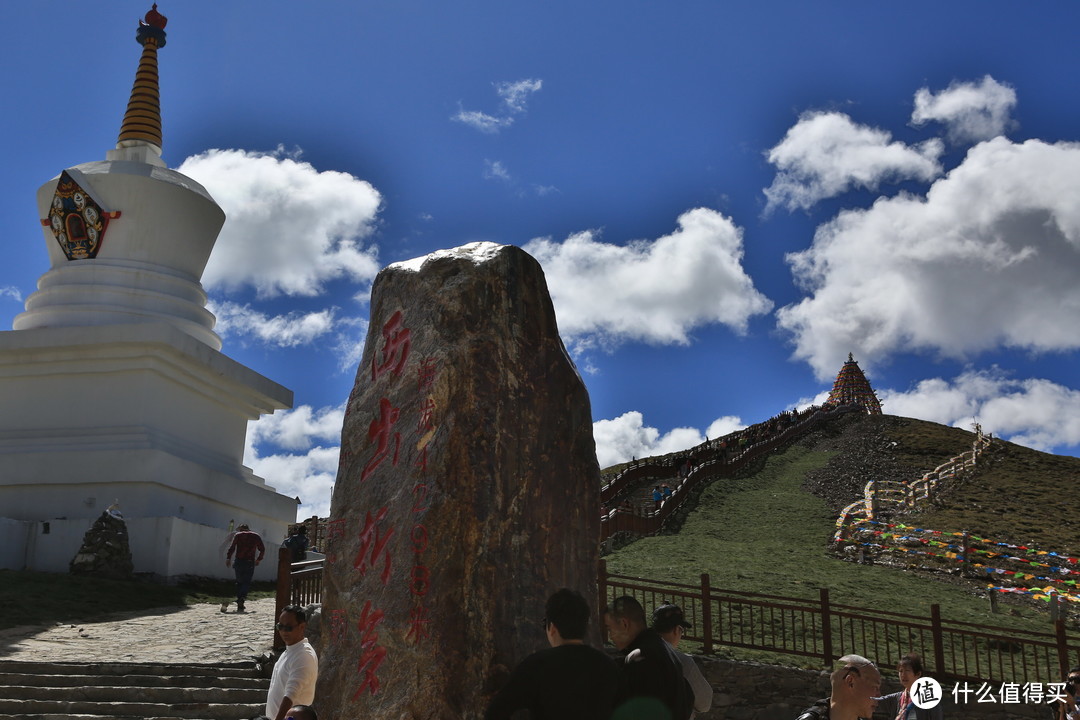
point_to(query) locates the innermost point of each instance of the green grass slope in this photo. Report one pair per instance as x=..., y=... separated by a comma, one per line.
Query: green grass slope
x=767, y=533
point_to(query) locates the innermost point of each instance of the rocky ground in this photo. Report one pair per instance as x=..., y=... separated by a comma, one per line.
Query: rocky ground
x=864, y=449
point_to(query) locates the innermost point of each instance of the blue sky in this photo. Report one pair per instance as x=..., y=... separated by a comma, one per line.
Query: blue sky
x=726, y=198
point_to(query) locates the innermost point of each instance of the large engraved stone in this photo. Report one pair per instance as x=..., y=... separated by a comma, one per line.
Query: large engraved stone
x=468, y=489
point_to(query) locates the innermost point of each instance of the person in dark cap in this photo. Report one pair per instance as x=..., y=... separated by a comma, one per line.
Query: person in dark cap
x=669, y=623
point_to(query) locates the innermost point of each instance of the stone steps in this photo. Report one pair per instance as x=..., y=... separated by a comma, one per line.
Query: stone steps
x=124, y=691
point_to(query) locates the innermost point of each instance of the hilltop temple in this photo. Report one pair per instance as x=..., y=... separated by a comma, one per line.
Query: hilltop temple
x=116, y=393
x=852, y=388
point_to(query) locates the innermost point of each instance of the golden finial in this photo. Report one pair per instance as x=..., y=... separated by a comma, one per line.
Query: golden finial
x=142, y=121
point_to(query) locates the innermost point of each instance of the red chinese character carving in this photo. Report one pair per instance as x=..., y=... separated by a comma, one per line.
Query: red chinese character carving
x=379, y=432
x=421, y=460
x=418, y=622
x=426, y=373
x=373, y=540
x=427, y=411
x=335, y=531
x=395, y=350
x=338, y=624
x=372, y=653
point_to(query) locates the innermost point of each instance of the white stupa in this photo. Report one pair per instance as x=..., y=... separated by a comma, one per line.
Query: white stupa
x=113, y=384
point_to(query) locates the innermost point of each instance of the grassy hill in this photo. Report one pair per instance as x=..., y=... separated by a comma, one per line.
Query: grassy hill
x=767, y=531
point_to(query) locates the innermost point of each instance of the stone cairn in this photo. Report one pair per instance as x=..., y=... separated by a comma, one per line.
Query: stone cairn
x=105, y=551
x=467, y=491
x=852, y=388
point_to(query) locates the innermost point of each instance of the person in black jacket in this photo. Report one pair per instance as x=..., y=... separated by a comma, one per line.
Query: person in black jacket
x=569, y=680
x=652, y=673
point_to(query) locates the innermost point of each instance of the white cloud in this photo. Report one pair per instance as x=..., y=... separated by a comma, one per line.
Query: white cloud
x=482, y=121
x=308, y=473
x=495, y=170
x=514, y=96
x=545, y=190
x=12, y=292
x=724, y=426
x=290, y=330
x=626, y=437
x=299, y=428
x=290, y=227
x=1034, y=412
x=309, y=476
x=350, y=346
x=971, y=112
x=989, y=258
x=825, y=154
x=654, y=291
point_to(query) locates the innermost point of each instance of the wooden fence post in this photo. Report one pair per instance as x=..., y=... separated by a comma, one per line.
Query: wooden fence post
x=706, y=614
x=965, y=548
x=939, y=639
x=1062, y=648
x=826, y=629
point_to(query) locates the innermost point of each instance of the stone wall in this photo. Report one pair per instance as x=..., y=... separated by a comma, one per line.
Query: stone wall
x=754, y=691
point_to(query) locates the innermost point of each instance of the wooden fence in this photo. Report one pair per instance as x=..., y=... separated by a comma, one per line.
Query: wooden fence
x=806, y=627
x=818, y=628
x=711, y=465
x=910, y=495
x=297, y=584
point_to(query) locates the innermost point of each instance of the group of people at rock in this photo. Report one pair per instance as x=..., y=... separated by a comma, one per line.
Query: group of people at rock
x=649, y=679
x=571, y=680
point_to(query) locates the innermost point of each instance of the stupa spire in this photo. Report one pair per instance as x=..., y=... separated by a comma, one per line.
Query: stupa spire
x=852, y=388
x=142, y=121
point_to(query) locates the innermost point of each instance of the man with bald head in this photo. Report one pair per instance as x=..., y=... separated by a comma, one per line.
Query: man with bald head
x=856, y=684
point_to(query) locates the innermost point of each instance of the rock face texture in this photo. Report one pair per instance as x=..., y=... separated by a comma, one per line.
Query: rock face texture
x=105, y=550
x=467, y=492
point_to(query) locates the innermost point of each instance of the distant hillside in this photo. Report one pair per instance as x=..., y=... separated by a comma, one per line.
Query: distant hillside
x=1019, y=495
x=768, y=529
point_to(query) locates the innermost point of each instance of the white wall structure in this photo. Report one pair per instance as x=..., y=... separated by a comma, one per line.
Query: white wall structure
x=113, y=384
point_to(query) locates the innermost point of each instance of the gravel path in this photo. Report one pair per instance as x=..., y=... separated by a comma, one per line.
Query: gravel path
x=194, y=634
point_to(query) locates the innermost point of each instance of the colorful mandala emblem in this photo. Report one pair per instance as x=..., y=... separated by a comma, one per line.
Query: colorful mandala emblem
x=77, y=220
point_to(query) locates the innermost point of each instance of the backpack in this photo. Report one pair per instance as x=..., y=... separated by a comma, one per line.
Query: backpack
x=817, y=711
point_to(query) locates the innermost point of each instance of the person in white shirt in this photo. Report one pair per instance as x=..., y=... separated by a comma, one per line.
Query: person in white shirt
x=295, y=672
x=670, y=623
